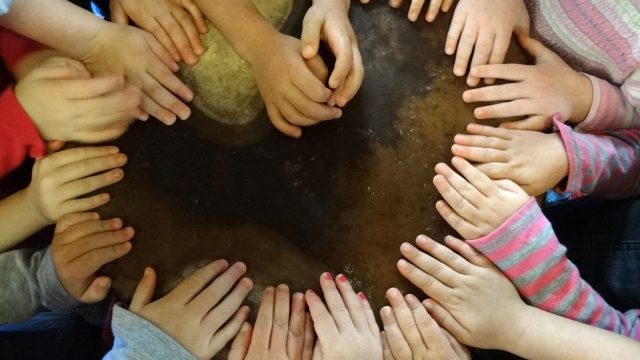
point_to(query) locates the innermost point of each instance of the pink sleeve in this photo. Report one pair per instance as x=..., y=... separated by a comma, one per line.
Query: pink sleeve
x=603, y=163
x=14, y=47
x=526, y=249
x=19, y=138
x=613, y=107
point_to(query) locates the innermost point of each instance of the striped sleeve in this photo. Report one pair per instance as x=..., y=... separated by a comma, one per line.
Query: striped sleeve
x=612, y=107
x=606, y=164
x=526, y=249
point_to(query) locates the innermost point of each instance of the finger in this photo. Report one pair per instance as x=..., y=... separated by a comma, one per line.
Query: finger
x=467, y=251
x=280, y=329
x=281, y=124
x=221, y=313
x=352, y=302
x=428, y=264
x=69, y=156
x=295, y=338
x=161, y=86
x=312, y=88
x=425, y=282
x=430, y=332
x=509, y=72
x=405, y=322
x=536, y=49
x=311, y=109
x=264, y=319
x=465, y=48
x=386, y=350
x=368, y=311
x=153, y=26
x=154, y=109
x=102, y=135
x=84, y=204
x=481, y=141
x=446, y=5
x=213, y=293
x=309, y=338
x=293, y=116
x=475, y=177
x=310, y=37
x=178, y=37
x=533, y=123
x=506, y=92
x=456, y=210
x=397, y=343
x=189, y=28
x=323, y=322
x=75, y=89
x=395, y=3
x=194, y=283
x=70, y=220
x=335, y=303
x=345, y=93
x=241, y=343
x=444, y=255
x=480, y=154
x=90, y=253
x=481, y=53
x=461, y=188
x=465, y=228
x=500, y=48
x=461, y=351
x=343, y=51
x=85, y=228
x=196, y=14
x=87, y=185
x=443, y=317
x=515, y=108
x=318, y=68
x=118, y=15
x=220, y=338
x=432, y=11
x=144, y=291
x=118, y=108
x=97, y=290
x=89, y=166
x=495, y=170
x=455, y=30
x=415, y=8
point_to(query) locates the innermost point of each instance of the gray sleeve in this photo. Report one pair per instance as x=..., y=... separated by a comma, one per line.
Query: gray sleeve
x=4, y=6
x=137, y=338
x=29, y=282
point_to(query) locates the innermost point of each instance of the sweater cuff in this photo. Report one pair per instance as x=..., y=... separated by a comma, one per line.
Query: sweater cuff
x=137, y=338
x=53, y=295
x=16, y=121
x=573, y=183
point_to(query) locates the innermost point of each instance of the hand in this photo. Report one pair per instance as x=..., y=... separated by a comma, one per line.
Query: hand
x=411, y=333
x=474, y=29
x=292, y=93
x=535, y=161
x=143, y=61
x=347, y=329
x=59, y=180
x=66, y=104
x=205, y=313
x=470, y=297
x=329, y=20
x=176, y=24
x=278, y=335
x=537, y=93
x=475, y=205
x=81, y=246
x=416, y=8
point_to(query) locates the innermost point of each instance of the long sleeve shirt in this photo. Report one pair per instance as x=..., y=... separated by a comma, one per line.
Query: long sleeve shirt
x=600, y=38
x=526, y=249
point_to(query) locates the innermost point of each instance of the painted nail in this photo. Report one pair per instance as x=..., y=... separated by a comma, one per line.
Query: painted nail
x=362, y=296
x=341, y=278
x=327, y=276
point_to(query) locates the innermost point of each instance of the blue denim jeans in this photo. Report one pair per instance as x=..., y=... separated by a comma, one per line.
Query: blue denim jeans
x=603, y=240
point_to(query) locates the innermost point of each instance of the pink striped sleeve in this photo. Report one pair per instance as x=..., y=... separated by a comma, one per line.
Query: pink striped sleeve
x=613, y=107
x=526, y=249
x=605, y=163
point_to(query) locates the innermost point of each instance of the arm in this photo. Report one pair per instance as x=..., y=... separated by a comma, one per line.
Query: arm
x=528, y=252
x=613, y=107
x=605, y=164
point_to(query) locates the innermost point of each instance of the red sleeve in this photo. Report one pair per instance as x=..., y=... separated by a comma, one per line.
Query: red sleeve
x=19, y=137
x=15, y=47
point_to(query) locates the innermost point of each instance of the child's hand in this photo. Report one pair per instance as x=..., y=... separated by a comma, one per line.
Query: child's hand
x=411, y=333
x=537, y=93
x=202, y=313
x=469, y=296
x=484, y=28
x=475, y=205
x=535, y=161
x=176, y=24
x=347, y=329
x=59, y=180
x=416, y=7
x=278, y=334
x=125, y=50
x=292, y=93
x=66, y=104
x=329, y=20
x=81, y=246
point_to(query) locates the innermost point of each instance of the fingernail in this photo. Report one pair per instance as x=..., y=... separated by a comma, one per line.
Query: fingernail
x=113, y=149
x=341, y=278
x=169, y=119
x=405, y=247
x=362, y=296
x=298, y=296
x=105, y=197
x=421, y=238
x=449, y=51
x=184, y=114
x=327, y=276
x=245, y=327
x=147, y=272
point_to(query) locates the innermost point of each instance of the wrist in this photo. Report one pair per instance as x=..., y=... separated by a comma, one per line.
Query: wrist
x=583, y=98
x=343, y=4
x=514, y=336
x=30, y=201
x=263, y=39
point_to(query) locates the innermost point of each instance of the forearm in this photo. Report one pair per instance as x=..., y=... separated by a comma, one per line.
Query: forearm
x=58, y=24
x=241, y=23
x=548, y=336
x=18, y=219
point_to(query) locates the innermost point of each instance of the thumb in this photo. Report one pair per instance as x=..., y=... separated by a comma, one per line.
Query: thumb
x=118, y=15
x=97, y=290
x=144, y=291
x=310, y=39
x=536, y=49
x=241, y=343
x=54, y=146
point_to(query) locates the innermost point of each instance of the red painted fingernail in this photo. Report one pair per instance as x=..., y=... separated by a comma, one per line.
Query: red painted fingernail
x=362, y=296
x=341, y=278
x=327, y=276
